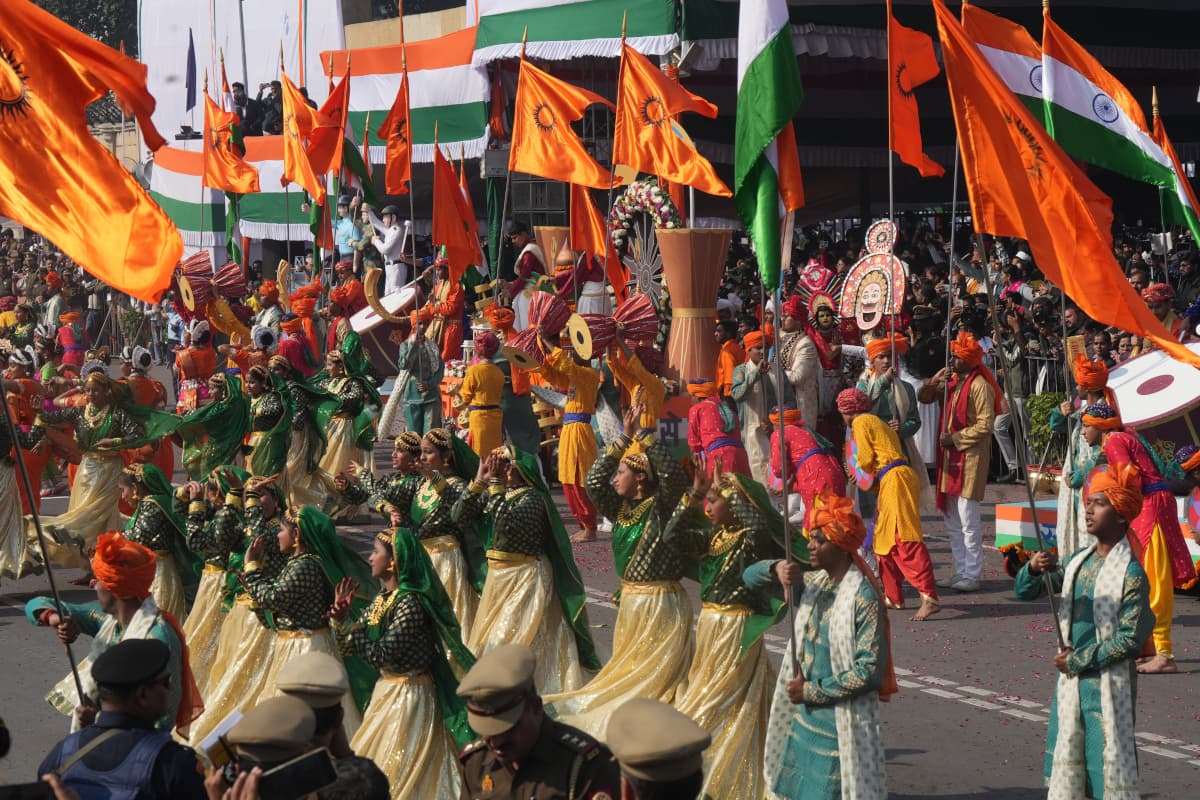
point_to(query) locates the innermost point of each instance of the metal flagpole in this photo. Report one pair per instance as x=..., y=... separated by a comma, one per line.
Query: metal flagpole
x=608, y=210
x=995, y=314
x=950, y=273
x=785, y=262
x=888, y=83
x=27, y=486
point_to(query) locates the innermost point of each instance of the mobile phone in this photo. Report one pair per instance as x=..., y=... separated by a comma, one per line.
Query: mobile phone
x=299, y=777
x=38, y=790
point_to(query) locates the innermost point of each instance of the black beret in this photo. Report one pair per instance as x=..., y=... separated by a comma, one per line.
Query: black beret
x=131, y=663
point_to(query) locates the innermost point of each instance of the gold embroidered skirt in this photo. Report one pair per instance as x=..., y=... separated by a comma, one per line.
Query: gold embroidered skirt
x=91, y=511
x=729, y=695
x=446, y=555
x=403, y=733
x=339, y=447
x=167, y=589
x=203, y=626
x=286, y=645
x=235, y=679
x=19, y=555
x=302, y=488
x=652, y=650
x=519, y=605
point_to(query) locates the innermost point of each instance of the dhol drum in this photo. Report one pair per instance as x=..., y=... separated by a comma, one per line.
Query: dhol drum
x=1160, y=398
x=376, y=332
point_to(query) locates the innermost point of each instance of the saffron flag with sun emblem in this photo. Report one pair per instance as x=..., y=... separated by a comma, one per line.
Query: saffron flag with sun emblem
x=453, y=219
x=1022, y=184
x=543, y=142
x=648, y=135
x=89, y=205
x=395, y=133
x=224, y=169
x=326, y=143
x=911, y=62
x=299, y=122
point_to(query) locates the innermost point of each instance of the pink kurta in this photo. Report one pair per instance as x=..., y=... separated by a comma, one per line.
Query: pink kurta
x=708, y=436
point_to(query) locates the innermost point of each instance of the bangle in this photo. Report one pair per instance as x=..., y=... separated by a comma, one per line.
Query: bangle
x=197, y=507
x=475, y=487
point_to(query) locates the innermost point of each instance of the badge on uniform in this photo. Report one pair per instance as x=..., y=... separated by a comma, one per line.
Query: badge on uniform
x=487, y=784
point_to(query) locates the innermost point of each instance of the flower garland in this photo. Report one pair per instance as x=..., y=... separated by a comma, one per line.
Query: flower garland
x=641, y=197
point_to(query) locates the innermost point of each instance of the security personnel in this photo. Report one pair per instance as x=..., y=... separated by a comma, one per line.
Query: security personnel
x=122, y=753
x=522, y=753
x=320, y=680
x=660, y=750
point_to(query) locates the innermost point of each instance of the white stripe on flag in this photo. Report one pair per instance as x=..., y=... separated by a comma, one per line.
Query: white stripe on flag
x=429, y=88
x=1021, y=74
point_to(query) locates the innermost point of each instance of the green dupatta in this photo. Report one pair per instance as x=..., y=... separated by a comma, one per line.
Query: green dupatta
x=270, y=456
x=189, y=564
x=415, y=575
x=318, y=411
x=213, y=434
x=358, y=367
x=568, y=583
x=478, y=538
x=318, y=536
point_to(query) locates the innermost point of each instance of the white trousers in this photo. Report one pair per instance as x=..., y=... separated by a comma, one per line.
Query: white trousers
x=395, y=275
x=966, y=536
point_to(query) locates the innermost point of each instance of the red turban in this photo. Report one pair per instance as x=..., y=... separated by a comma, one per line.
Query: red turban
x=123, y=567
x=53, y=280
x=8, y=303
x=1092, y=376
x=883, y=344
x=701, y=387
x=1122, y=485
x=853, y=401
x=269, y=291
x=966, y=348
x=1158, y=293
x=486, y=344
x=752, y=339
x=344, y=265
x=794, y=307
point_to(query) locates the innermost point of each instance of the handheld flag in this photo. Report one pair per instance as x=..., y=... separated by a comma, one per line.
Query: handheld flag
x=453, y=221
x=326, y=142
x=1180, y=205
x=648, y=135
x=1022, y=184
x=299, y=122
x=224, y=168
x=587, y=234
x=911, y=62
x=88, y=205
x=395, y=132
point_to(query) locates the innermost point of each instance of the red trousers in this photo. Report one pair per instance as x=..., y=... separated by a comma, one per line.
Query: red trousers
x=580, y=505
x=907, y=561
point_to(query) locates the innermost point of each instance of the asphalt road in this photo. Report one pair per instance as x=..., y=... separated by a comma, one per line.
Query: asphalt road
x=969, y=722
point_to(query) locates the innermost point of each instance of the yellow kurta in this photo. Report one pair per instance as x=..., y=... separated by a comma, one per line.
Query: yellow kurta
x=642, y=384
x=898, y=510
x=577, y=442
x=975, y=440
x=483, y=385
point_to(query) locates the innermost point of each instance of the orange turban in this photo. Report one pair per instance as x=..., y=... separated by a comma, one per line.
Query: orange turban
x=1122, y=485
x=966, y=348
x=53, y=280
x=69, y=318
x=883, y=344
x=292, y=326
x=791, y=416
x=501, y=318
x=835, y=516
x=123, y=567
x=269, y=291
x=341, y=295
x=1102, y=416
x=752, y=339
x=701, y=387
x=1092, y=376
x=303, y=306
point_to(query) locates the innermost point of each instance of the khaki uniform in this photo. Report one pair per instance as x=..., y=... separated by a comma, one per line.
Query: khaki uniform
x=565, y=764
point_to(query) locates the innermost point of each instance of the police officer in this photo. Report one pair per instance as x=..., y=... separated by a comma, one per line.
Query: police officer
x=522, y=753
x=320, y=680
x=122, y=754
x=660, y=750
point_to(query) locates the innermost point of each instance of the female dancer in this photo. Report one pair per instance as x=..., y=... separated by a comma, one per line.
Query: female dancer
x=156, y=525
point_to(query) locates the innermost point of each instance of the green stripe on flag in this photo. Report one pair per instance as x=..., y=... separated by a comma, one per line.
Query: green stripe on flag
x=188, y=216
x=1092, y=142
x=457, y=123
x=758, y=205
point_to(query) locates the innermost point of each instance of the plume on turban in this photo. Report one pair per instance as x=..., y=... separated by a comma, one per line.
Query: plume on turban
x=1102, y=416
x=853, y=401
x=1158, y=293
x=883, y=344
x=486, y=344
x=123, y=567
x=1122, y=485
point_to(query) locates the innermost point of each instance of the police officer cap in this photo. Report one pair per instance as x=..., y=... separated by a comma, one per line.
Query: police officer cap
x=654, y=742
x=497, y=688
x=275, y=730
x=317, y=678
x=383, y=212
x=131, y=663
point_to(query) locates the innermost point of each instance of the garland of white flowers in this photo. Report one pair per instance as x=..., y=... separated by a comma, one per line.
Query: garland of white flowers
x=641, y=197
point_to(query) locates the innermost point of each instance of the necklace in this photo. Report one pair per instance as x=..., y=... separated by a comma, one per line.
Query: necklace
x=427, y=498
x=724, y=540
x=380, y=606
x=94, y=415
x=632, y=515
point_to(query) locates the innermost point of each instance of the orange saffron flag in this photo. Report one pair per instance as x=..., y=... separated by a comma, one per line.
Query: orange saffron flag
x=395, y=133
x=587, y=234
x=791, y=182
x=299, y=123
x=648, y=134
x=1022, y=184
x=326, y=142
x=453, y=220
x=55, y=177
x=543, y=142
x=469, y=217
x=224, y=169
x=911, y=62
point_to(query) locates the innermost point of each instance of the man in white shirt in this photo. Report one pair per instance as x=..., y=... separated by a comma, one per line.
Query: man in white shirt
x=390, y=244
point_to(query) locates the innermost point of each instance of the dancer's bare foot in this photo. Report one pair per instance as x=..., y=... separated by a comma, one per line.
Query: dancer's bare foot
x=583, y=535
x=928, y=608
x=1159, y=665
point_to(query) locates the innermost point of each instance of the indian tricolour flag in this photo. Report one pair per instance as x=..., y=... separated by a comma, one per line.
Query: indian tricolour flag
x=1096, y=119
x=1011, y=51
x=766, y=181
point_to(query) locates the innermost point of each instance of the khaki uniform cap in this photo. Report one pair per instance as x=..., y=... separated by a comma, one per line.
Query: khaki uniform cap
x=275, y=730
x=318, y=679
x=654, y=742
x=497, y=687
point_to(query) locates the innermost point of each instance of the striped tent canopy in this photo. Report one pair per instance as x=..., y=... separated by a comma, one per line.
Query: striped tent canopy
x=445, y=88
